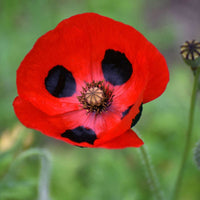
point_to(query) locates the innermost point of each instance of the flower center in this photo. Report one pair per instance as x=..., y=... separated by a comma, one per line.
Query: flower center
x=96, y=97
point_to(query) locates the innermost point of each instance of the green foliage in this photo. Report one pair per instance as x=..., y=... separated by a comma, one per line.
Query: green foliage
x=21, y=181
x=87, y=174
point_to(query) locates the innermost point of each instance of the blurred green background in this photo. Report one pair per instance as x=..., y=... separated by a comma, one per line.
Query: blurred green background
x=33, y=166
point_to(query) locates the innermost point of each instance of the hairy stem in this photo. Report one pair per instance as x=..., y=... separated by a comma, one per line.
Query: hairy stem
x=151, y=176
x=188, y=137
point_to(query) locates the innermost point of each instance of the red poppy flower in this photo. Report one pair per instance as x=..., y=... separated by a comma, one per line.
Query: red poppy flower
x=85, y=82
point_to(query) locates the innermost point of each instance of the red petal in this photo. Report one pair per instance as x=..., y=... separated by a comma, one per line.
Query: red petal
x=127, y=139
x=31, y=117
x=149, y=68
x=67, y=45
x=109, y=126
x=158, y=74
x=106, y=33
x=150, y=71
x=79, y=43
x=110, y=34
x=34, y=118
x=52, y=126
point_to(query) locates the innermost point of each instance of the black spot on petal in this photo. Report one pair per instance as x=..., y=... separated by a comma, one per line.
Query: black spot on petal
x=80, y=134
x=116, y=67
x=137, y=117
x=126, y=111
x=60, y=82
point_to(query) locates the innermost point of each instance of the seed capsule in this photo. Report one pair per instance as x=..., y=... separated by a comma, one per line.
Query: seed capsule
x=94, y=96
x=190, y=52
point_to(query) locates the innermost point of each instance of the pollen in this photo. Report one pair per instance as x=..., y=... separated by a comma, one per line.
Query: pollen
x=96, y=97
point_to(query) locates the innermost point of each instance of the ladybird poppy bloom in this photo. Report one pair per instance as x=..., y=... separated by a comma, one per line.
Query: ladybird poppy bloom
x=85, y=82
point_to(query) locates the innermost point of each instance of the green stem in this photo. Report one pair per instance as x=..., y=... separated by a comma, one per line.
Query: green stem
x=153, y=183
x=43, y=186
x=188, y=136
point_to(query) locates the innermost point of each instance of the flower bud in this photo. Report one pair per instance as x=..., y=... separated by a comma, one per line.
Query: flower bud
x=190, y=52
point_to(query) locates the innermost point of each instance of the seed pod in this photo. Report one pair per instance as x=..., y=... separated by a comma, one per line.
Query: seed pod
x=190, y=52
